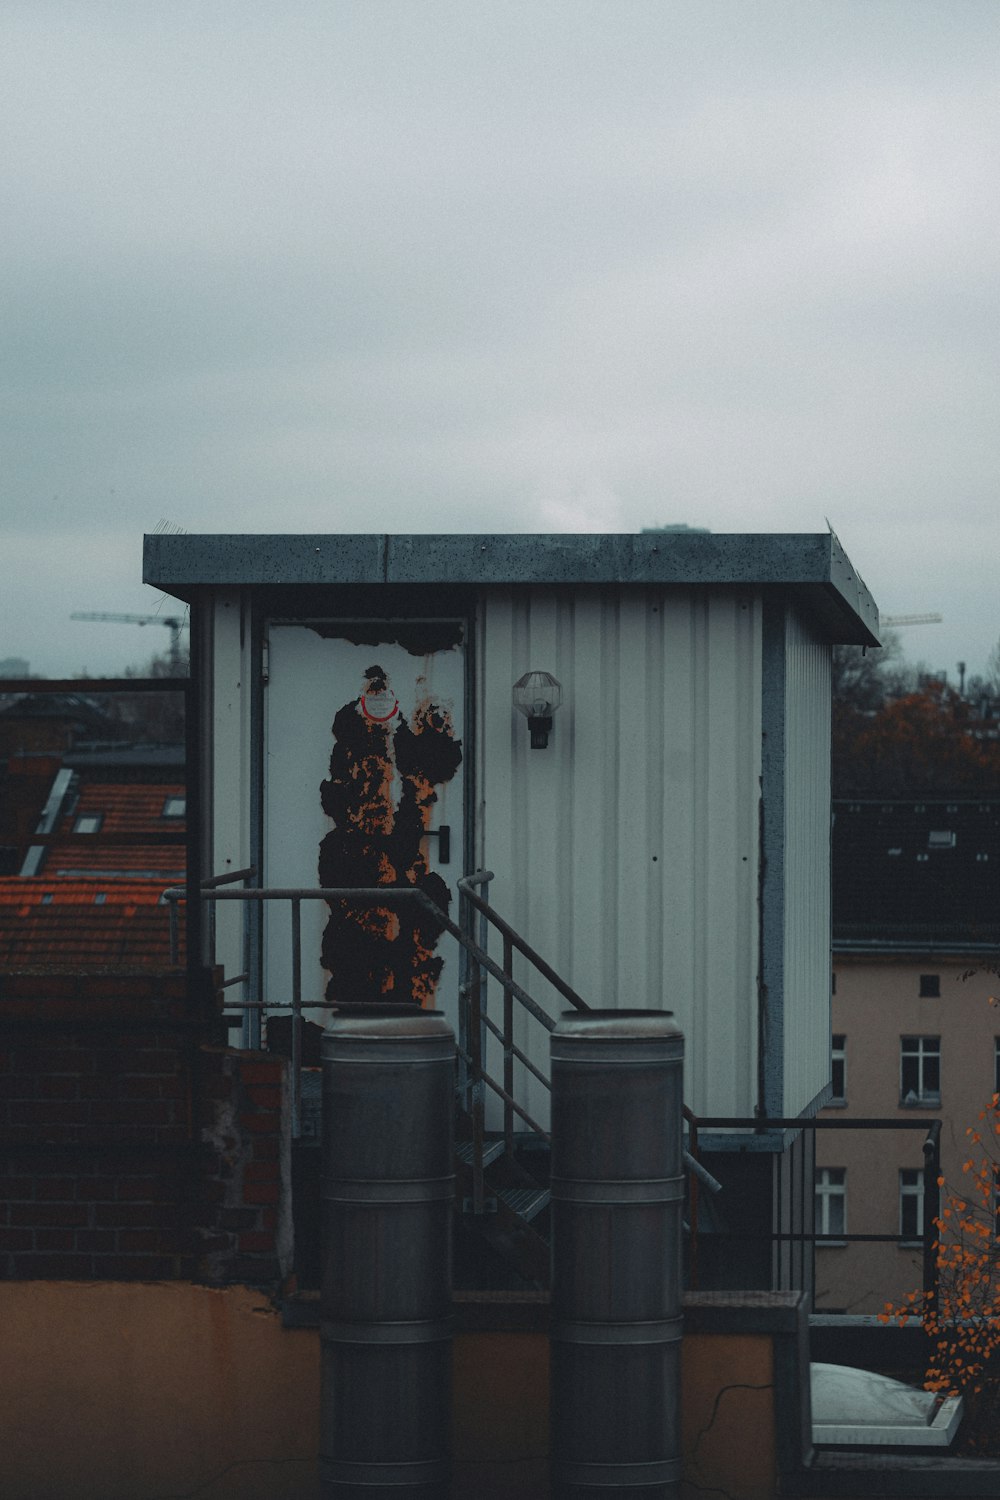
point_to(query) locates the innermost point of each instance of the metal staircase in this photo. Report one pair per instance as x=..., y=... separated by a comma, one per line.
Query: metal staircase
x=503, y=1196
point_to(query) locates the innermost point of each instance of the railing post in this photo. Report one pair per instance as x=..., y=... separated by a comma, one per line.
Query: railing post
x=174, y=934
x=932, y=1210
x=296, y=1018
x=693, y=1201
x=617, y=1204
x=388, y=1186
x=478, y=1093
x=508, y=1049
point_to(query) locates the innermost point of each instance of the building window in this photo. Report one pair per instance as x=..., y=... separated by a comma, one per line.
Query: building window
x=911, y=1204
x=930, y=986
x=838, y=1069
x=831, y=1201
x=174, y=807
x=941, y=838
x=920, y=1071
x=88, y=823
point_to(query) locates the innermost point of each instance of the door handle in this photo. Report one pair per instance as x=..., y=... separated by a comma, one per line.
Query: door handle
x=443, y=836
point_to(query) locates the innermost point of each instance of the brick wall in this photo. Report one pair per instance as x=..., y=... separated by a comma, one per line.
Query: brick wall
x=132, y=1146
x=246, y=1230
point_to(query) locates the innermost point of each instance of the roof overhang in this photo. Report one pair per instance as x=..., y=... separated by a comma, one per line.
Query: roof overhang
x=812, y=568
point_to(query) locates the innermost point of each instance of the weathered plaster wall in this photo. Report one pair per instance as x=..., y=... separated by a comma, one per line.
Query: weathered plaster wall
x=146, y=1391
x=133, y=1391
x=728, y=1416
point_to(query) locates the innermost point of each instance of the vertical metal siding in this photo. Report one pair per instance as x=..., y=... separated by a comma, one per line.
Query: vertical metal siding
x=626, y=852
x=807, y=867
x=231, y=757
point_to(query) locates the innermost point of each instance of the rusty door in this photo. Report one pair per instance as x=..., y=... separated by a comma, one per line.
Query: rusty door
x=363, y=786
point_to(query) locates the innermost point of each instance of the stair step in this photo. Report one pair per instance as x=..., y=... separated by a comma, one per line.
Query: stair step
x=528, y=1202
x=465, y=1151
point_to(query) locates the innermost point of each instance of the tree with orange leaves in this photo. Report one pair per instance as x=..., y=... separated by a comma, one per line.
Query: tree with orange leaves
x=963, y=1322
x=921, y=743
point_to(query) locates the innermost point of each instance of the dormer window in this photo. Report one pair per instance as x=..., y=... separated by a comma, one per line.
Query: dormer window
x=89, y=822
x=174, y=807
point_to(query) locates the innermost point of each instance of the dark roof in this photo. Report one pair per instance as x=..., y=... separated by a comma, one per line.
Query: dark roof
x=814, y=568
x=154, y=758
x=77, y=707
x=916, y=874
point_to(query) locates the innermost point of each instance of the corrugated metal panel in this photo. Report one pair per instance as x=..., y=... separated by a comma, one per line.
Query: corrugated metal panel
x=627, y=851
x=231, y=758
x=807, y=867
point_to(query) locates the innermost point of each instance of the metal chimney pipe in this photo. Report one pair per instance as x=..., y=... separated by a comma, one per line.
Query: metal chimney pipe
x=388, y=1187
x=617, y=1203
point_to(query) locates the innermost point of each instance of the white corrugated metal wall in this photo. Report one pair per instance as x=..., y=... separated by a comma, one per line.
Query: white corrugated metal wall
x=807, y=867
x=626, y=852
x=230, y=769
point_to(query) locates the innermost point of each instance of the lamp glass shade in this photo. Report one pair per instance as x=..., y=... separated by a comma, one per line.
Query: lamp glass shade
x=537, y=695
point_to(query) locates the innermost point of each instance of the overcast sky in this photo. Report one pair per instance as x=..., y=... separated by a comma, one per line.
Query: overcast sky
x=416, y=265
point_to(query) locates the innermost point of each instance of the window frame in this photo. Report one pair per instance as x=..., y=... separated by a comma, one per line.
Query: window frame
x=829, y=1186
x=926, y=1050
x=838, y=1055
x=911, y=1192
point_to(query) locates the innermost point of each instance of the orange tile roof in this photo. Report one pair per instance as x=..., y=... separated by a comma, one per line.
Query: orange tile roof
x=84, y=923
x=127, y=809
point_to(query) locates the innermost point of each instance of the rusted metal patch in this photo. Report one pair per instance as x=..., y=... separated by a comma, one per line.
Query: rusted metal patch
x=384, y=771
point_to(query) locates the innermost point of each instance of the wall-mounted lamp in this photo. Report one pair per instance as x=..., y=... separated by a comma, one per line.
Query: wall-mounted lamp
x=538, y=695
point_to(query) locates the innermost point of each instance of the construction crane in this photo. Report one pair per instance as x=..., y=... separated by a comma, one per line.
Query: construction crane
x=174, y=623
x=894, y=621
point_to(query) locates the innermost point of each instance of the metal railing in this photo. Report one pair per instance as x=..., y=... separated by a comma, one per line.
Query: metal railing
x=478, y=1025
x=480, y=1022
x=472, y=992
x=762, y=1125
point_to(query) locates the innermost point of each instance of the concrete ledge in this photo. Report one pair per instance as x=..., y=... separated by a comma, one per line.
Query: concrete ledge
x=889, y=1474
x=743, y=1312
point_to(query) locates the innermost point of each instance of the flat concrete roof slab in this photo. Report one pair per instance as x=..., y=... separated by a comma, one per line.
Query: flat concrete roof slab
x=814, y=567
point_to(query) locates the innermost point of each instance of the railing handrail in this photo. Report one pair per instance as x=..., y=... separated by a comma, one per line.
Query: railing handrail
x=211, y=890
x=483, y=877
x=930, y=1146
x=215, y=890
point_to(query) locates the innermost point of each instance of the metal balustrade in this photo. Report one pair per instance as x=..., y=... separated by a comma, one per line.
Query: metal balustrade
x=477, y=1024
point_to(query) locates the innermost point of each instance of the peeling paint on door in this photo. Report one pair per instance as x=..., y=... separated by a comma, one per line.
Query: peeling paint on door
x=385, y=769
